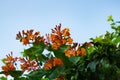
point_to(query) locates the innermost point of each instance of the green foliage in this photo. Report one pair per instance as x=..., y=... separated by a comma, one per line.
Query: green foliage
x=3, y=78
x=44, y=79
x=36, y=75
x=35, y=51
x=16, y=74
x=60, y=54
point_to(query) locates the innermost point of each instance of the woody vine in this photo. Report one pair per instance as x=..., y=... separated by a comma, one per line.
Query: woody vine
x=65, y=59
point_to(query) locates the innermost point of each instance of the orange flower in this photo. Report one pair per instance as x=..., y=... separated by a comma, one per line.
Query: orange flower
x=64, y=41
x=27, y=65
x=9, y=63
x=9, y=59
x=82, y=51
x=29, y=37
x=56, y=41
x=55, y=46
x=48, y=65
x=57, y=62
x=37, y=33
x=67, y=53
x=66, y=32
x=78, y=51
x=8, y=68
x=53, y=63
x=25, y=41
x=60, y=37
x=70, y=52
x=70, y=40
x=39, y=39
x=73, y=52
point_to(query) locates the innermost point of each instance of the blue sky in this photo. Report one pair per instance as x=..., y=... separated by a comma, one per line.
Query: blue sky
x=85, y=18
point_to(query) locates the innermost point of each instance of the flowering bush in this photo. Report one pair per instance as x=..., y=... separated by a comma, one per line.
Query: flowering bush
x=57, y=57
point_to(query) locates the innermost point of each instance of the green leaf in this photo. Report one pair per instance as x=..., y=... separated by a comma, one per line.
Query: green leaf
x=49, y=55
x=99, y=39
x=92, y=65
x=16, y=74
x=44, y=79
x=60, y=54
x=90, y=50
x=3, y=60
x=35, y=51
x=2, y=72
x=110, y=18
x=3, y=78
x=23, y=78
x=74, y=59
x=62, y=48
x=105, y=64
x=55, y=73
x=116, y=40
x=36, y=75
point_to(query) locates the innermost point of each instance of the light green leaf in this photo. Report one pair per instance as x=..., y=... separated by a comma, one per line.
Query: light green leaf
x=44, y=79
x=3, y=78
x=110, y=18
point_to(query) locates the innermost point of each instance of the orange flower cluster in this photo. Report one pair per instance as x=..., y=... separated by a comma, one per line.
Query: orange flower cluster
x=75, y=51
x=52, y=63
x=28, y=37
x=28, y=65
x=49, y=64
x=8, y=68
x=9, y=64
x=60, y=37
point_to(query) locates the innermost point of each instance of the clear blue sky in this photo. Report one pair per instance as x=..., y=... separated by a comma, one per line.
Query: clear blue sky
x=85, y=18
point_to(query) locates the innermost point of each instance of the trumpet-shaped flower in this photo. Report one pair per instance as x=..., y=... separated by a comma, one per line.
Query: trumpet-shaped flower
x=60, y=37
x=9, y=63
x=53, y=63
x=57, y=62
x=29, y=37
x=75, y=51
x=49, y=64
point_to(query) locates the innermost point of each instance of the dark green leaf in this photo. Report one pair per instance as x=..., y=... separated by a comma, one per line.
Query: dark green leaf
x=74, y=59
x=16, y=74
x=55, y=73
x=37, y=75
x=92, y=65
